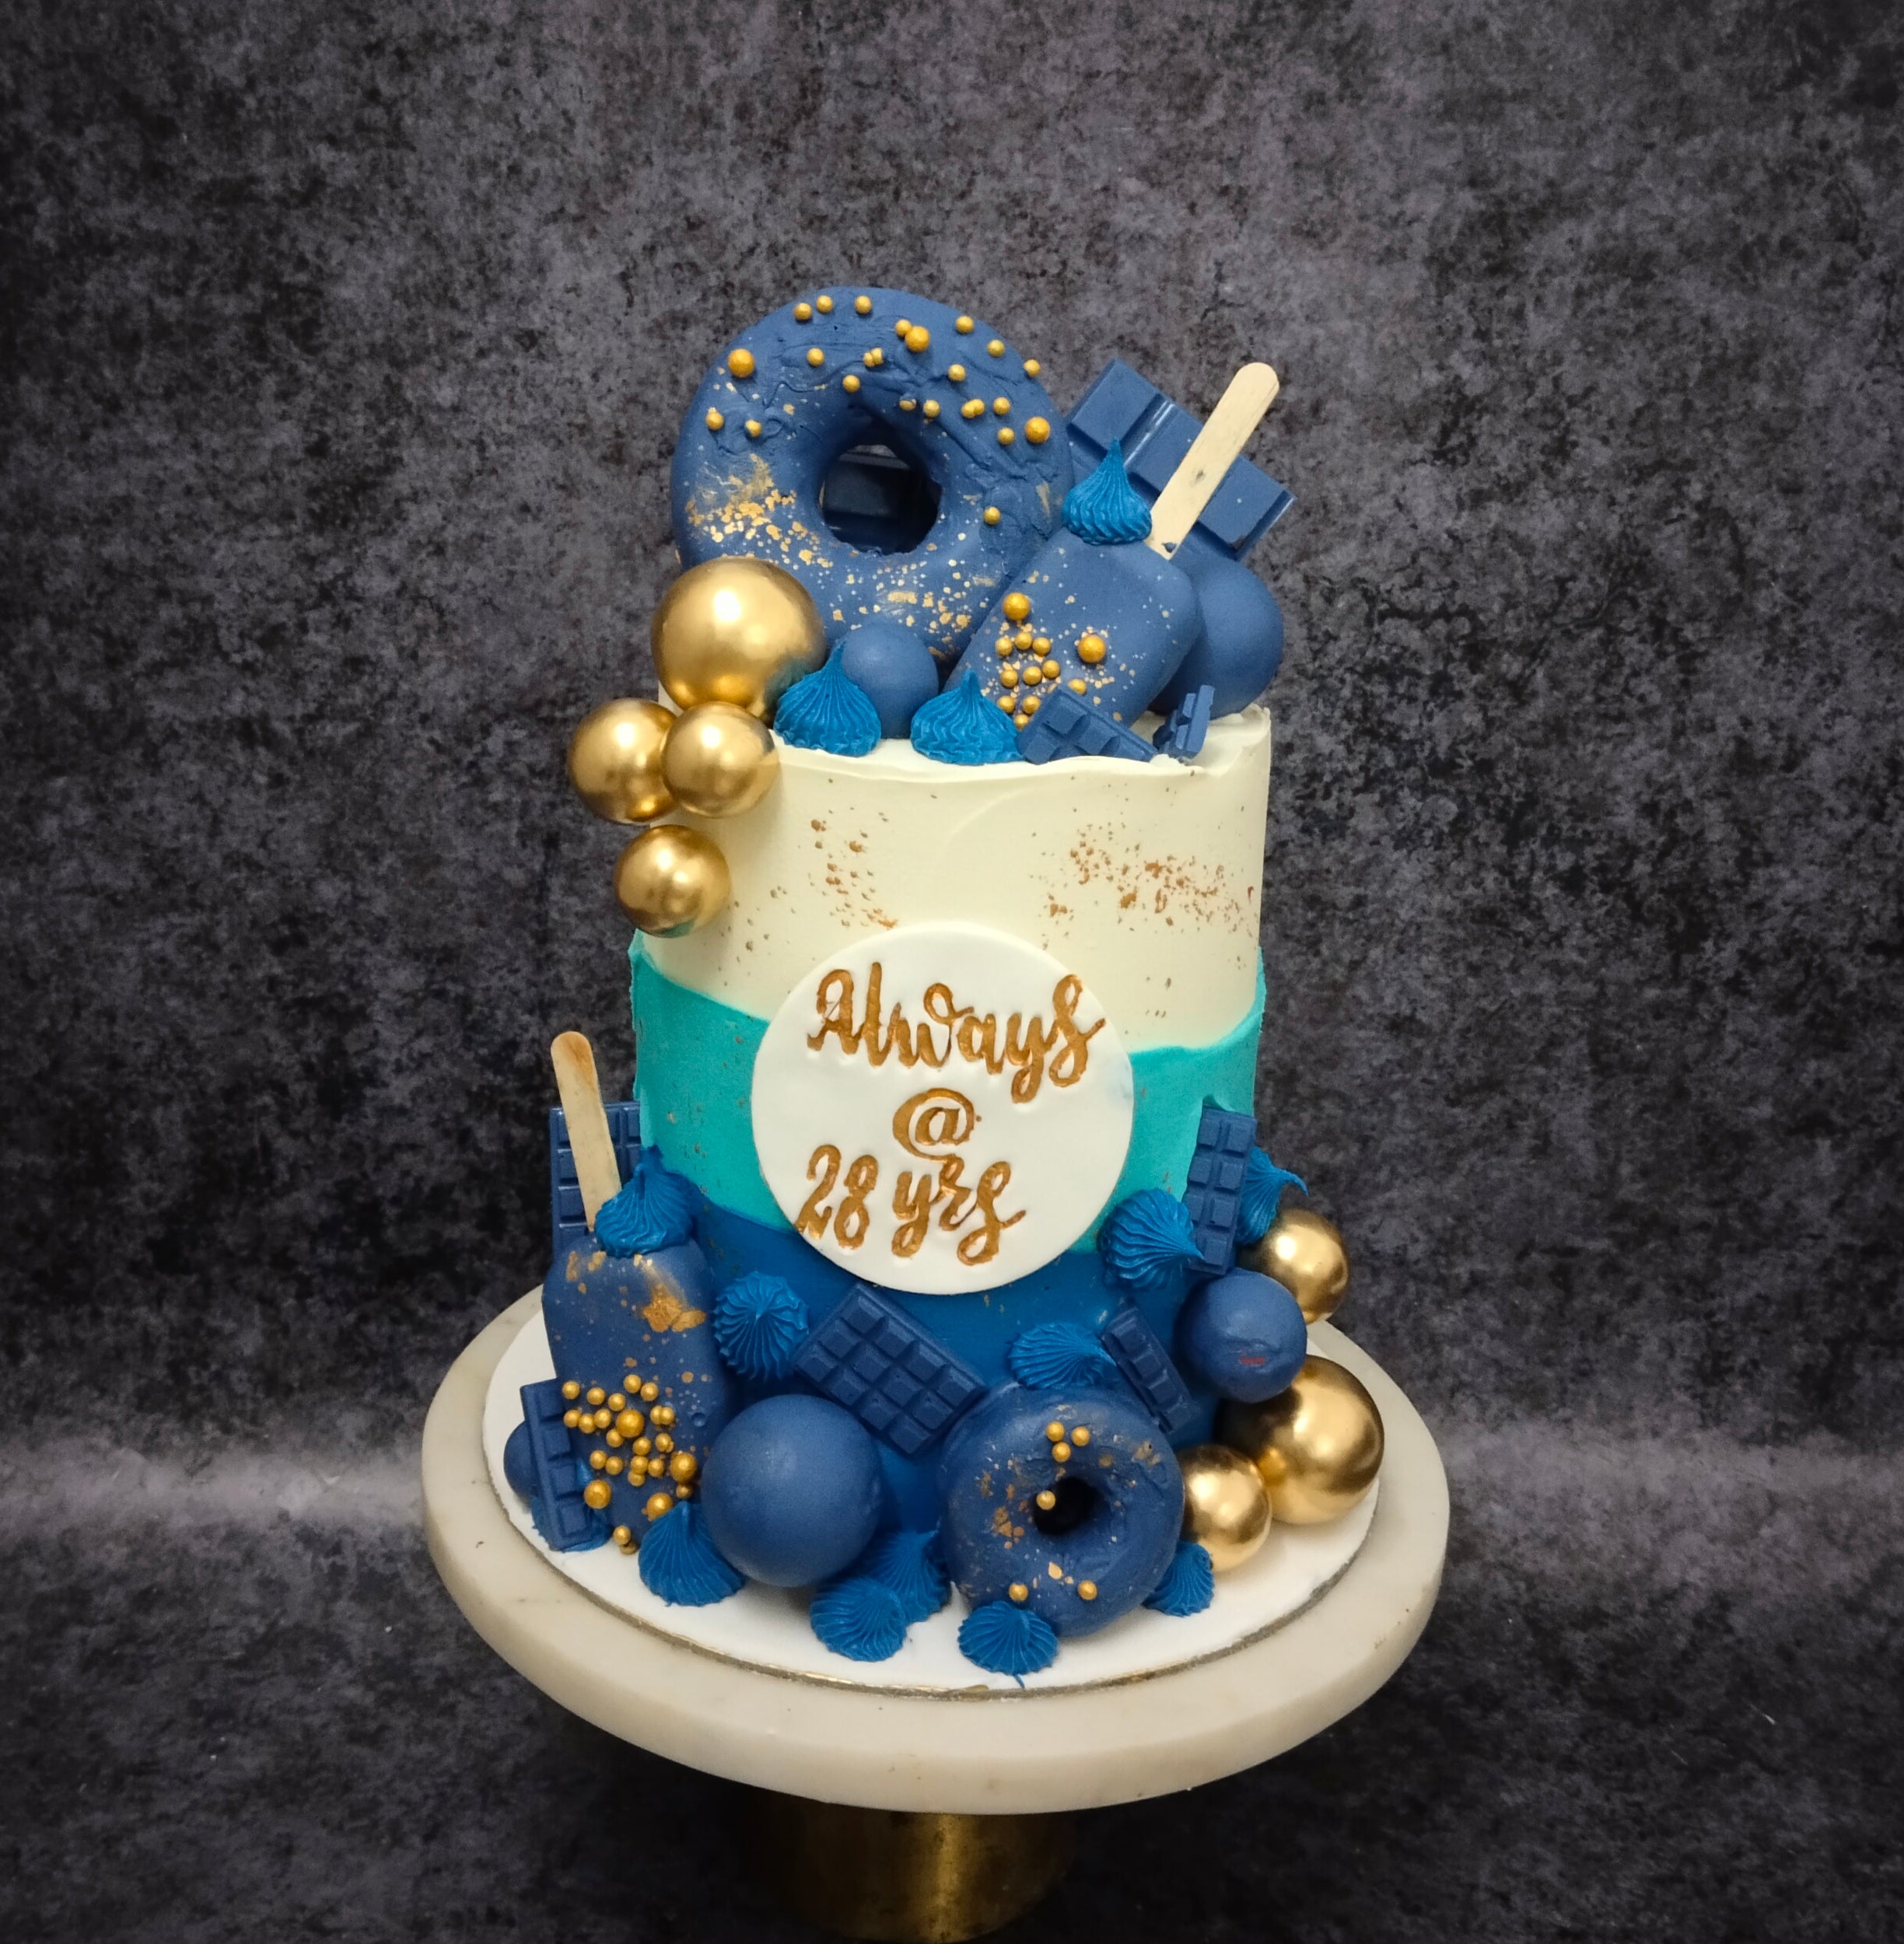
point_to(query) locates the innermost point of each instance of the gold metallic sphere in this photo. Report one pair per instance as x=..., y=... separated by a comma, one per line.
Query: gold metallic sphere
x=735, y=629
x=664, y=1415
x=631, y=1423
x=1225, y=1507
x=719, y=759
x=614, y=761
x=670, y=881
x=1305, y=1254
x=597, y=1493
x=659, y=1505
x=682, y=1466
x=1316, y=1447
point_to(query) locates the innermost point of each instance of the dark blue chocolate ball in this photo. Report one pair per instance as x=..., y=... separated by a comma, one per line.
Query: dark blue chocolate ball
x=792, y=1491
x=1241, y=648
x=895, y=669
x=1244, y=1335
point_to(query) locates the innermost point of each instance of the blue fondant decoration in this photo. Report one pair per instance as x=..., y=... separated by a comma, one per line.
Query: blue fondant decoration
x=655, y=1210
x=1051, y=1356
x=1119, y=618
x=680, y=1564
x=1184, y=730
x=1118, y=1496
x=696, y=1066
x=555, y=1473
x=963, y=726
x=1066, y=725
x=758, y=1324
x=1188, y=1586
x=1149, y=1240
x=1263, y=1184
x=1106, y=509
x=791, y=1490
x=518, y=1463
x=859, y=1618
x=873, y=1358
x=568, y=1220
x=910, y=1564
x=1244, y=1335
x=1005, y=1639
x=1240, y=648
x=1213, y=1193
x=757, y=446
x=1145, y=1366
x=828, y=711
x=895, y=667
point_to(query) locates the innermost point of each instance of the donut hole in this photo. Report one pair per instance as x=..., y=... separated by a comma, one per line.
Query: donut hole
x=1077, y=1505
x=877, y=501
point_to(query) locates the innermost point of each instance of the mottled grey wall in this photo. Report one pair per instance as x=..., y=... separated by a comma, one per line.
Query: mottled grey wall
x=345, y=346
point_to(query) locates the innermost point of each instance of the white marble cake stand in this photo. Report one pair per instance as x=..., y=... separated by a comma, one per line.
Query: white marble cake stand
x=910, y=1815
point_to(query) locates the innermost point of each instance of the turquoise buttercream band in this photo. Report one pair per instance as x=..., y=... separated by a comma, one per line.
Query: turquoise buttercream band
x=694, y=1075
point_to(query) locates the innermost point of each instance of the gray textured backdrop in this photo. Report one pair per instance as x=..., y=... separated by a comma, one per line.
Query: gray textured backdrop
x=346, y=346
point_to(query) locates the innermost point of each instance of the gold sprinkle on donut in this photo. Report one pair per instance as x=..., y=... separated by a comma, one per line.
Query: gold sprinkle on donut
x=597, y=1460
x=1038, y=430
x=956, y=373
x=1018, y=1592
x=1021, y=718
x=1004, y=647
x=972, y=408
x=1023, y=639
x=1046, y=1500
x=1076, y=685
x=616, y=1401
x=908, y=405
x=1041, y=643
x=614, y=1437
x=1087, y=1589
x=996, y=348
x=963, y=325
x=753, y=431
x=1080, y=1434
x=650, y=1391
x=918, y=338
x=656, y=1466
x=1001, y=406
x=1006, y=435
x=815, y=356
x=614, y=1467
x=850, y=382
x=1017, y=606
x=1091, y=649
x=824, y=305
x=715, y=420
x=1032, y=367
x=864, y=306
x=1031, y=705
x=803, y=313
x=740, y=362
x=1033, y=676
x=904, y=325
x=641, y=1446
x=932, y=408
x=1053, y=1431
x=993, y=516
x=873, y=358
x=572, y=1419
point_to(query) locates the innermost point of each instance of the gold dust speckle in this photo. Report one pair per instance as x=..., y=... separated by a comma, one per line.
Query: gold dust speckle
x=963, y=325
x=863, y=306
x=1038, y=430
x=993, y=516
x=740, y=362
x=715, y=420
x=815, y=356
x=1055, y=1570
x=972, y=408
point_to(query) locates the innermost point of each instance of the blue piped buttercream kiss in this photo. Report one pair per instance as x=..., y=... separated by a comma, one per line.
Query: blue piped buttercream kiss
x=963, y=726
x=655, y=1210
x=758, y=1324
x=1148, y=1238
x=1188, y=1586
x=1005, y=1639
x=679, y=1563
x=1106, y=508
x=910, y=1565
x=828, y=711
x=1262, y=1192
x=861, y=1619
x=1057, y=1356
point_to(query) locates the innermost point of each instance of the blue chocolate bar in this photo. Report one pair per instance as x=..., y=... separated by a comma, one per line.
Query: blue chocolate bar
x=1147, y=1368
x=1214, y=1195
x=1066, y=725
x=887, y=1370
x=567, y=1221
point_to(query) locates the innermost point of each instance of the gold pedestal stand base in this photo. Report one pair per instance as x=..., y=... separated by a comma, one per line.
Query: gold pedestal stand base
x=901, y=1876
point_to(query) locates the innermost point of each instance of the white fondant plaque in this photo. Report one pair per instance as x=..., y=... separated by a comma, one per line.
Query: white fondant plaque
x=941, y=1108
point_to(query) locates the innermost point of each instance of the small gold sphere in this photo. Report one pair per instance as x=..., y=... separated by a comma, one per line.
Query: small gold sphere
x=614, y=1437
x=1054, y=1432
x=616, y=1401
x=659, y=1505
x=1018, y=1591
x=972, y=408
x=931, y=412
x=1080, y=1434
x=683, y=1466
x=803, y=313
x=1090, y=649
x=614, y=1467
x=631, y=1423
x=824, y=305
x=956, y=373
x=1016, y=606
x=571, y=1389
x=715, y=419
x=918, y=338
x=1032, y=706
x=1038, y=430
x=735, y=629
x=641, y=1446
x=595, y=1394
x=656, y=1466
x=1226, y=1507
x=1006, y=435
x=1305, y=1254
x=1050, y=670
x=1061, y=1451
x=597, y=1459
x=663, y=1442
x=572, y=1419
x=664, y=1416
x=614, y=761
x=1046, y=1500
x=597, y=1493
x=622, y=1537
x=650, y=1391
x=996, y=348
x=1002, y=407
x=671, y=881
x=1008, y=677
x=720, y=761
x=1087, y=1589
x=740, y=363
x=684, y=1490
x=993, y=516
x=1032, y=367
x=1316, y=1447
x=850, y=382
x=863, y=306
x=1023, y=638
x=603, y=1418
x=816, y=357
x=963, y=325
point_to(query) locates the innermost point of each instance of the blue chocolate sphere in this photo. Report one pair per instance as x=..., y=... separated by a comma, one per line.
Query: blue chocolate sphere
x=792, y=1491
x=1244, y=1335
x=895, y=667
x=1241, y=648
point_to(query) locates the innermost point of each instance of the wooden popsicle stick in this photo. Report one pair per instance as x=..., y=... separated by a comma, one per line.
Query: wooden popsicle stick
x=597, y=1170
x=1216, y=448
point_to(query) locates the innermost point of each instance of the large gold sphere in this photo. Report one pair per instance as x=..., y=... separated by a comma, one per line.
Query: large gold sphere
x=671, y=880
x=614, y=761
x=1316, y=1447
x=735, y=629
x=720, y=761
x=1305, y=1254
x=1226, y=1508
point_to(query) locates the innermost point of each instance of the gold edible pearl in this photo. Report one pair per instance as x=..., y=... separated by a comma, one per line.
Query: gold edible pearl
x=631, y=1423
x=656, y=1466
x=614, y=1467
x=663, y=1414
x=1076, y=685
x=1032, y=367
x=863, y=306
x=684, y=1491
x=596, y=1493
x=715, y=419
x=659, y=1506
x=803, y=313
x=873, y=358
x=850, y=382
x=615, y=1437
x=1001, y=406
x=650, y=1391
x=956, y=373
x=1023, y=639
x=1038, y=430
x=597, y=1460
x=1080, y=1434
x=752, y=429
x=616, y=1401
x=903, y=326
x=932, y=408
x=918, y=338
x=993, y=516
x=1041, y=643
x=1046, y=1500
x=1091, y=649
x=816, y=357
x=1016, y=606
x=603, y=1418
x=596, y=1394
x=1087, y=1589
x=963, y=325
x=1006, y=435
x=1008, y=677
x=1051, y=671
x=683, y=1466
x=908, y=405
x=1018, y=1591
x=740, y=363
x=572, y=1419
x=1061, y=1451
x=824, y=305
x=1031, y=705
x=664, y=1442
x=622, y=1537
x=1005, y=703
x=1225, y=1504
x=571, y=1389
x=1004, y=645
x=972, y=408
x=1054, y=1430
x=1034, y=676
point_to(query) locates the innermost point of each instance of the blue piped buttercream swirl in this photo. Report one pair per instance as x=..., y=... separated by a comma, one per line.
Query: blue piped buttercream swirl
x=1147, y=1238
x=655, y=1210
x=1107, y=509
x=829, y=711
x=962, y=726
x=679, y=1563
x=910, y=1565
x=758, y=1324
x=1059, y=1356
x=1005, y=1639
x=1189, y=1584
x=1262, y=1189
x=859, y=1618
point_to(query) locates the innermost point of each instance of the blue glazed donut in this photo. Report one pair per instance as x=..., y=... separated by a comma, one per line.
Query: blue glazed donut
x=1109, y=1537
x=847, y=368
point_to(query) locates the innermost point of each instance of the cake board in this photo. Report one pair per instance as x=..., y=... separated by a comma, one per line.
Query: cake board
x=885, y=1813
